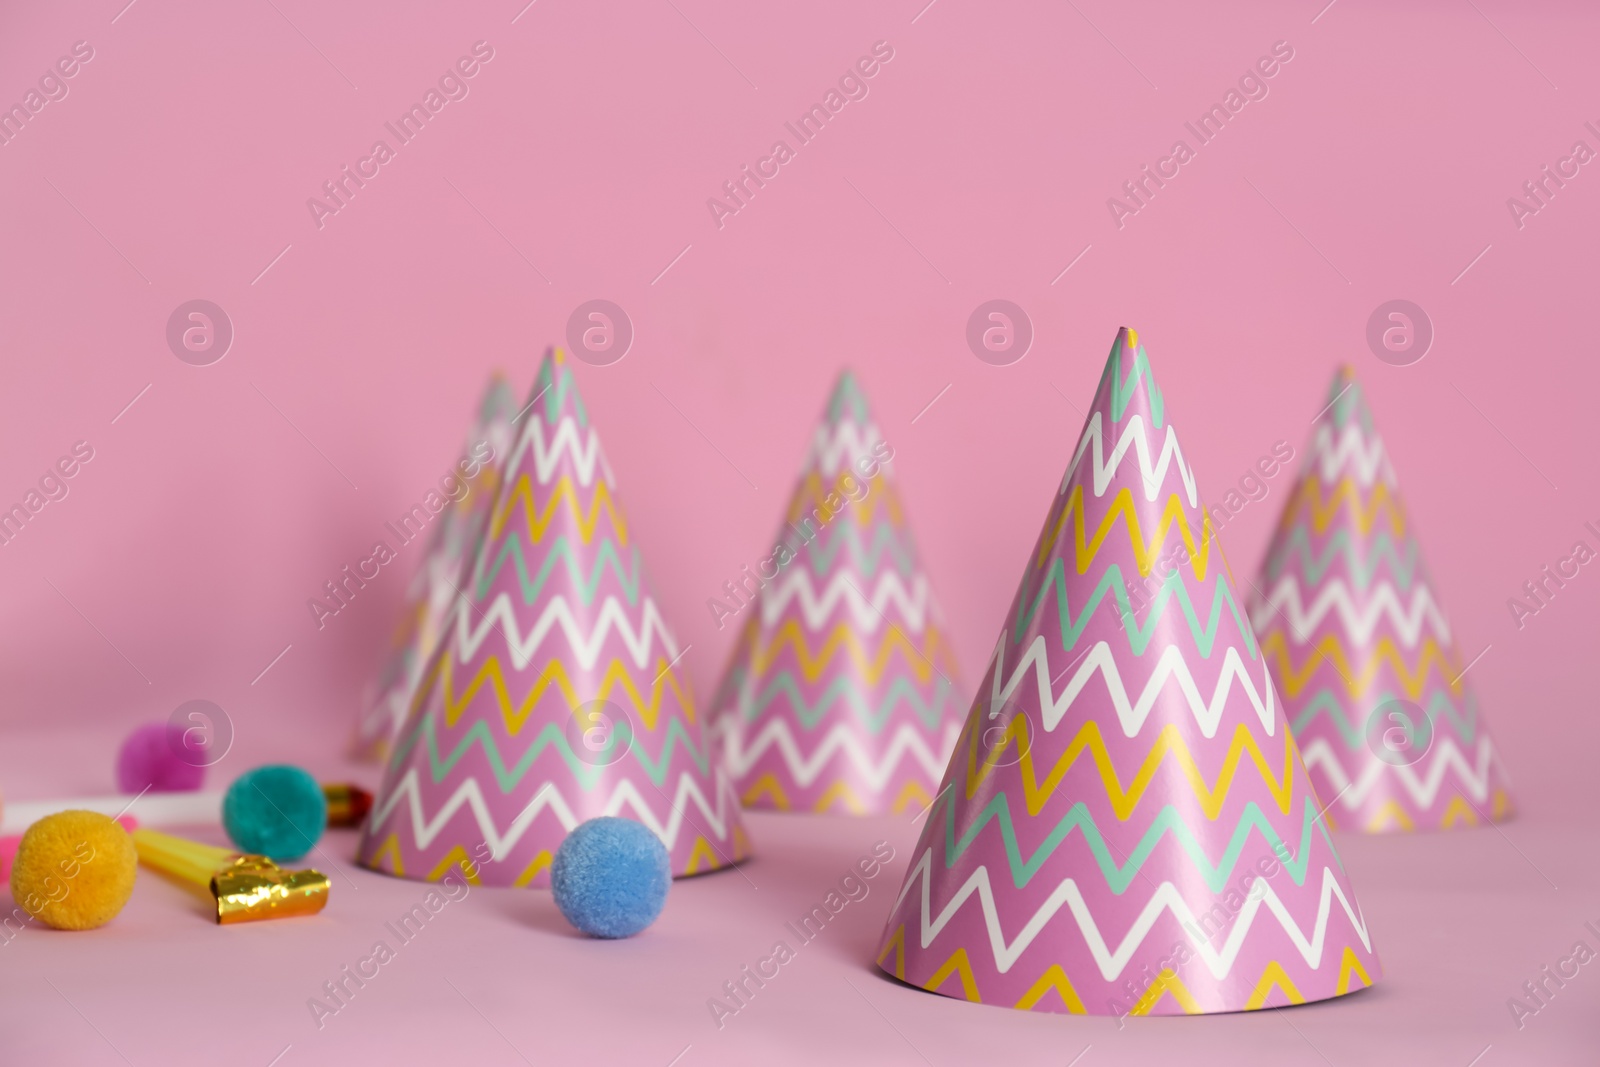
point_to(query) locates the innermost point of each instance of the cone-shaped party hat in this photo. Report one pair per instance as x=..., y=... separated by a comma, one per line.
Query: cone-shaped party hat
x=1126, y=825
x=842, y=691
x=462, y=502
x=554, y=695
x=1370, y=675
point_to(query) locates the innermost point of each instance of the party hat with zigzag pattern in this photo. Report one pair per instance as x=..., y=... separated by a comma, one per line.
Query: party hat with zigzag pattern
x=554, y=695
x=1371, y=678
x=1126, y=825
x=841, y=694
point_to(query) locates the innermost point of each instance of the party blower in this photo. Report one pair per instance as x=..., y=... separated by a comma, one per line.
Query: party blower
x=347, y=806
x=246, y=888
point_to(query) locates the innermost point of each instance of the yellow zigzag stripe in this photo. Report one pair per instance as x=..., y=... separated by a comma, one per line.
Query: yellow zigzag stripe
x=1293, y=679
x=920, y=661
x=839, y=793
x=1458, y=810
x=1390, y=812
x=391, y=849
x=456, y=856
x=1501, y=804
x=616, y=677
x=1167, y=982
x=566, y=491
x=1123, y=801
x=897, y=943
x=1054, y=978
x=766, y=786
x=1348, y=965
x=702, y=853
x=912, y=793
x=812, y=494
x=1144, y=554
x=1274, y=977
x=959, y=965
x=1323, y=509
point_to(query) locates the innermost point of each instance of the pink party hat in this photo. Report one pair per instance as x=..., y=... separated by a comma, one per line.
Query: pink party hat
x=462, y=502
x=1126, y=825
x=1372, y=681
x=554, y=694
x=840, y=693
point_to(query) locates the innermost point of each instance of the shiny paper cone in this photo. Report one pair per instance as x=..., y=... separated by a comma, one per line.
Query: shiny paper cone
x=1371, y=677
x=841, y=694
x=555, y=694
x=1126, y=825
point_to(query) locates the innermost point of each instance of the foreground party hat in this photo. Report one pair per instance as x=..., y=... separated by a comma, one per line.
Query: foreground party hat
x=554, y=695
x=452, y=538
x=1371, y=678
x=841, y=694
x=1126, y=825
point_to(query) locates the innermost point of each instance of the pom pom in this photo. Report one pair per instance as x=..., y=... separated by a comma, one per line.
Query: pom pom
x=277, y=811
x=74, y=870
x=152, y=757
x=610, y=877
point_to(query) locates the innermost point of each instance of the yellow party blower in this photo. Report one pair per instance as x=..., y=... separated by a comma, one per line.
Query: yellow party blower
x=246, y=888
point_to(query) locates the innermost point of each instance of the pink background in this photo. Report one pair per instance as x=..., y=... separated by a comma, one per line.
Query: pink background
x=978, y=167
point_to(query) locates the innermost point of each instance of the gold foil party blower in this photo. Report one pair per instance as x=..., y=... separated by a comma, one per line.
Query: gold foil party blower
x=246, y=888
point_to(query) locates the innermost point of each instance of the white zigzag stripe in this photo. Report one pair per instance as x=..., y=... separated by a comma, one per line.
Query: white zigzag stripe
x=832, y=450
x=1383, y=600
x=625, y=795
x=586, y=643
x=1362, y=456
x=1171, y=666
x=567, y=439
x=913, y=605
x=906, y=742
x=1133, y=436
x=1165, y=898
x=1423, y=789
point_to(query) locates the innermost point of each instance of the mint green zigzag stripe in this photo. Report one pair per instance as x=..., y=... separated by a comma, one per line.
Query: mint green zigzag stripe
x=1123, y=389
x=1465, y=719
x=587, y=773
x=564, y=385
x=563, y=549
x=929, y=712
x=1139, y=637
x=1362, y=566
x=1348, y=401
x=847, y=393
x=1119, y=877
x=822, y=552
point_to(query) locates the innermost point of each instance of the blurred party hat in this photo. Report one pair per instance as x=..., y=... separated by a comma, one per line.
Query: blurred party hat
x=840, y=693
x=1126, y=826
x=452, y=539
x=1370, y=675
x=554, y=694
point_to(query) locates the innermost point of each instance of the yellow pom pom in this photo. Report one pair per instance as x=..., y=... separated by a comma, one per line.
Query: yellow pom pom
x=74, y=870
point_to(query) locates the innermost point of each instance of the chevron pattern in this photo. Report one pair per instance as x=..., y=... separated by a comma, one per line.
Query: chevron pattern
x=553, y=695
x=1361, y=649
x=451, y=541
x=1126, y=824
x=842, y=693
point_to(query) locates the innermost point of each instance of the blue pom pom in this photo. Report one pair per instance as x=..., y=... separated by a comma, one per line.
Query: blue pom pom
x=277, y=811
x=610, y=877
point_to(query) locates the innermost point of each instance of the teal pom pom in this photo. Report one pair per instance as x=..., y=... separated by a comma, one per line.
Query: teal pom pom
x=277, y=811
x=610, y=877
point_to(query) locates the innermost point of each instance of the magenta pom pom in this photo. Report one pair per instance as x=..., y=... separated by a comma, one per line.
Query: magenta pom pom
x=153, y=757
